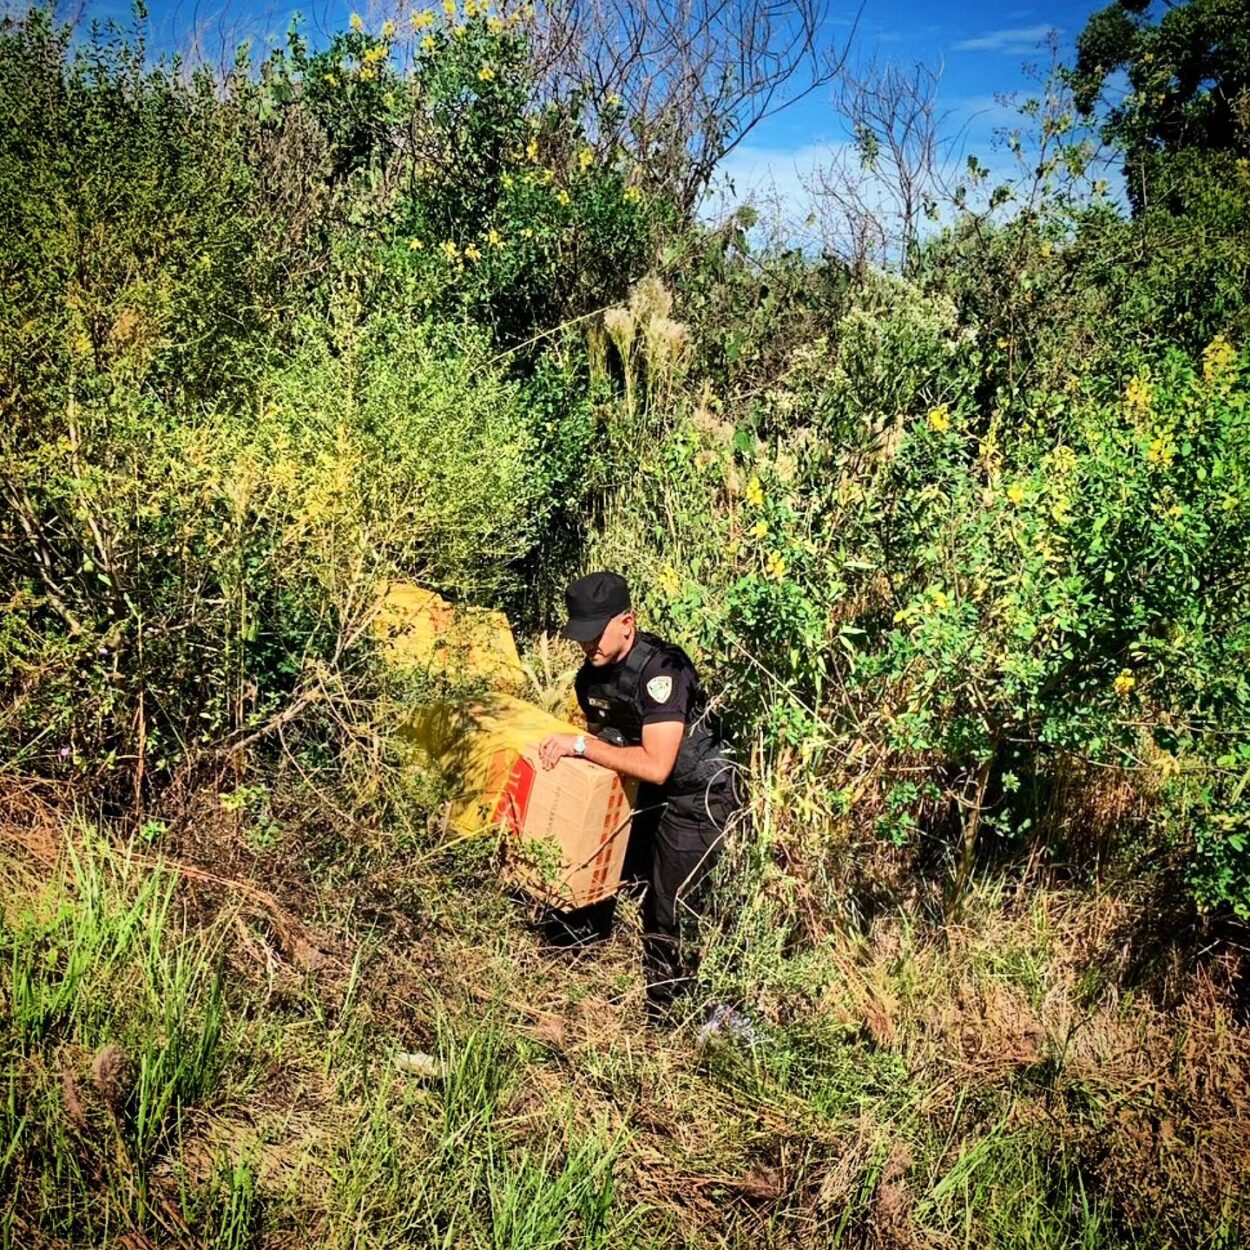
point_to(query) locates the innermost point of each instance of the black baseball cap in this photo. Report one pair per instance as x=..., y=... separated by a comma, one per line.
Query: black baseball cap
x=592, y=601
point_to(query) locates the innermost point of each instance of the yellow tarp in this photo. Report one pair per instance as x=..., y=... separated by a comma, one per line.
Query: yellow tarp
x=569, y=825
x=419, y=629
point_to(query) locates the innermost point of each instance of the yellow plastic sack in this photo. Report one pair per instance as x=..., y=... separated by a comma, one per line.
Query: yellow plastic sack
x=477, y=747
x=420, y=629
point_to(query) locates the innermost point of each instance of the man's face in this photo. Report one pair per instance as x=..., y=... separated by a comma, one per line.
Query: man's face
x=613, y=644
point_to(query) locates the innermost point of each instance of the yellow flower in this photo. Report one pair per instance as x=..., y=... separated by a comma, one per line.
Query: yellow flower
x=421, y=18
x=775, y=566
x=755, y=493
x=374, y=54
x=939, y=418
x=486, y=74
x=449, y=7
x=613, y=100
x=1162, y=452
x=332, y=79
x=1137, y=395
x=427, y=44
x=1124, y=683
x=358, y=23
x=1218, y=357
x=388, y=29
x=471, y=252
x=527, y=232
x=585, y=158
x=495, y=25
x=632, y=195
x=416, y=245
x=531, y=148
x=449, y=249
x=367, y=73
x=460, y=31
x=1063, y=459
x=759, y=529
x=1015, y=493
x=507, y=181
x=492, y=237
x=941, y=600
x=670, y=583
x=562, y=195
x=470, y=9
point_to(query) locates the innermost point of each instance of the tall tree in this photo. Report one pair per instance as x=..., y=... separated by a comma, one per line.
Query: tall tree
x=1188, y=88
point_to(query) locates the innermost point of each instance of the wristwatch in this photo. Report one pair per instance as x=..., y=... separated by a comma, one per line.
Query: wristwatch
x=579, y=745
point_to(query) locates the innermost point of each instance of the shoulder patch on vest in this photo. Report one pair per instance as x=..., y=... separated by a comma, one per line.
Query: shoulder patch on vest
x=659, y=688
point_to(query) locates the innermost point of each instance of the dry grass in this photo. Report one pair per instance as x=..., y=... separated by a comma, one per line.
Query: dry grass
x=913, y=1086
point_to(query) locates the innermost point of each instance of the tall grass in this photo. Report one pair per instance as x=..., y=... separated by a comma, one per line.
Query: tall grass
x=119, y=1044
x=442, y=1166
x=115, y=1025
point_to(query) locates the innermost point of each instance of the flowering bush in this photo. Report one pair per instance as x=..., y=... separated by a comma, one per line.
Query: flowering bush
x=485, y=202
x=978, y=602
x=276, y=373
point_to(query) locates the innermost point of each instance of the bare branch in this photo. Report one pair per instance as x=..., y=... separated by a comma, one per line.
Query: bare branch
x=873, y=195
x=695, y=77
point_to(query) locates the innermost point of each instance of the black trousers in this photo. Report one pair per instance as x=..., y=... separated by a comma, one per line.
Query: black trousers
x=674, y=844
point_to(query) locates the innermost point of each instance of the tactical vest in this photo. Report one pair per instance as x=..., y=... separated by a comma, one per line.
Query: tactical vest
x=615, y=701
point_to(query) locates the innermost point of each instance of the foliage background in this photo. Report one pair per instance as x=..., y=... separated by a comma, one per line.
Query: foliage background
x=959, y=541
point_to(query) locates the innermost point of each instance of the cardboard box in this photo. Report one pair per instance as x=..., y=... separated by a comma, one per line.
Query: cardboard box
x=570, y=824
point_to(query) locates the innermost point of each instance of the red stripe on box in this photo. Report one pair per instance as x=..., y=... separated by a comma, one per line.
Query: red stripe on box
x=603, y=857
x=515, y=800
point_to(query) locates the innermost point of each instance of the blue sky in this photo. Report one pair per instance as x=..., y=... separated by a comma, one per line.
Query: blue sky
x=985, y=59
x=981, y=54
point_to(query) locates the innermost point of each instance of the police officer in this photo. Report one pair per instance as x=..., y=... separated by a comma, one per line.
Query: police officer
x=649, y=718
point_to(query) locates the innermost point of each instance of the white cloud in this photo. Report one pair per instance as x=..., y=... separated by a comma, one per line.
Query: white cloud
x=783, y=186
x=978, y=118
x=1015, y=41
x=777, y=183
x=764, y=173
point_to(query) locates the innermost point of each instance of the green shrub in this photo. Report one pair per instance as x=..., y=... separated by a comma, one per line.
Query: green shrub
x=207, y=567
x=978, y=600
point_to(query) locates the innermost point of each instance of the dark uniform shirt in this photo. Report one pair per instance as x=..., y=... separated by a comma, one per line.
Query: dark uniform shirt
x=665, y=689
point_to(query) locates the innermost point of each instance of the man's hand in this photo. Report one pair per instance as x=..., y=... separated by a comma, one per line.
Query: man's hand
x=652, y=761
x=556, y=748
